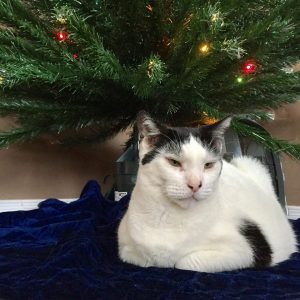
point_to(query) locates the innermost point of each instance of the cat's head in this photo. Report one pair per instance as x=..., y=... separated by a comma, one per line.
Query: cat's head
x=183, y=163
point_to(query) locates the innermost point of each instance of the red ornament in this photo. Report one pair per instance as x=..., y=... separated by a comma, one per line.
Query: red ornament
x=61, y=36
x=75, y=55
x=249, y=67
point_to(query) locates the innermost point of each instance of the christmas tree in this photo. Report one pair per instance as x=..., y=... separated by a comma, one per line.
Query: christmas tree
x=93, y=64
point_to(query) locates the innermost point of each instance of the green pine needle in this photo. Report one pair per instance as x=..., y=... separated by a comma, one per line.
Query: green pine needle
x=265, y=139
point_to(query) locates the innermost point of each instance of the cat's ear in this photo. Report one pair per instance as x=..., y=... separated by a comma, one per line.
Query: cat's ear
x=217, y=131
x=149, y=130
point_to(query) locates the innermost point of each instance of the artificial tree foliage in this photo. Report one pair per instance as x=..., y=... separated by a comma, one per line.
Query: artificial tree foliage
x=93, y=64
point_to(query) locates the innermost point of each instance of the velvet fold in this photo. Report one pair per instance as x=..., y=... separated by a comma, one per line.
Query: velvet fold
x=69, y=251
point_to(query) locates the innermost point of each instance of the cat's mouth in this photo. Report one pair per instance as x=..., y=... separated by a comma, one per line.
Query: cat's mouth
x=191, y=197
x=182, y=197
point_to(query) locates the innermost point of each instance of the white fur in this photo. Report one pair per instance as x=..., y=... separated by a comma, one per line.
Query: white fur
x=166, y=225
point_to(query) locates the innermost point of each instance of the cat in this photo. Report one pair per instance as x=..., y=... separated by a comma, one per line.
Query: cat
x=192, y=210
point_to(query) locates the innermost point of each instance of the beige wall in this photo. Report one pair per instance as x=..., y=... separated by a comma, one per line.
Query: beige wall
x=287, y=126
x=42, y=169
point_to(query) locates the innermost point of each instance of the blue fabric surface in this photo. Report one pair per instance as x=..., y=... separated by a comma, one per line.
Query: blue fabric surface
x=69, y=251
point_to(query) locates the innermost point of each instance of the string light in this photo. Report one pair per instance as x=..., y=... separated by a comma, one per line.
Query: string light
x=249, y=67
x=61, y=20
x=61, y=36
x=203, y=48
x=206, y=120
x=150, y=69
x=240, y=79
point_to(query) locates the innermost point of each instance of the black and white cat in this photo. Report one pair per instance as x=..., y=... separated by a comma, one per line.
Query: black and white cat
x=192, y=210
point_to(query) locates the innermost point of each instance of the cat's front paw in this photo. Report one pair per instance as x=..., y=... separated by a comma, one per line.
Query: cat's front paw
x=130, y=255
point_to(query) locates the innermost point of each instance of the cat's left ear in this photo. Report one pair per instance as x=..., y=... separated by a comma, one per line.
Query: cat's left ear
x=217, y=131
x=219, y=128
x=149, y=130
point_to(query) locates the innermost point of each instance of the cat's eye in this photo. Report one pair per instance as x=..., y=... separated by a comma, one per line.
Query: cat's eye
x=174, y=162
x=209, y=165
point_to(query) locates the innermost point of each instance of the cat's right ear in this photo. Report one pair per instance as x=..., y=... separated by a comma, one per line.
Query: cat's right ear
x=148, y=129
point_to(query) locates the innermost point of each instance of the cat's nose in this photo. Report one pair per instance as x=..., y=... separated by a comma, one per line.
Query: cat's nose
x=195, y=186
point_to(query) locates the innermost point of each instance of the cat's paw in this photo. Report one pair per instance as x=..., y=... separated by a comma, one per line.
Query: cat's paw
x=129, y=255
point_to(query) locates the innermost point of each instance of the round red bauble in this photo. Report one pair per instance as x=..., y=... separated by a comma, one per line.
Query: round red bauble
x=249, y=67
x=61, y=36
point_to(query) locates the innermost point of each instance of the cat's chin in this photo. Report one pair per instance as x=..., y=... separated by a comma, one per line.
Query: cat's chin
x=186, y=203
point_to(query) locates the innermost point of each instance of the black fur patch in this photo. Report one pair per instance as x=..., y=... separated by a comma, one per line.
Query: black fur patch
x=149, y=156
x=262, y=251
x=170, y=139
x=173, y=138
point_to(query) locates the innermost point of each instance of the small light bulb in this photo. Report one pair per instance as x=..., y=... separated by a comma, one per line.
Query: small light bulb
x=62, y=36
x=204, y=48
x=249, y=67
x=61, y=19
x=239, y=79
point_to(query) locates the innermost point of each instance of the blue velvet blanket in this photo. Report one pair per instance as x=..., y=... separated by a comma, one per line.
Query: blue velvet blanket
x=69, y=251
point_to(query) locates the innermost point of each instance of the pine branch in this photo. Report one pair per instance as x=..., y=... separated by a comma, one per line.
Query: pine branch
x=263, y=138
x=18, y=14
x=147, y=76
x=97, y=134
x=18, y=135
x=138, y=55
x=12, y=106
x=108, y=64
